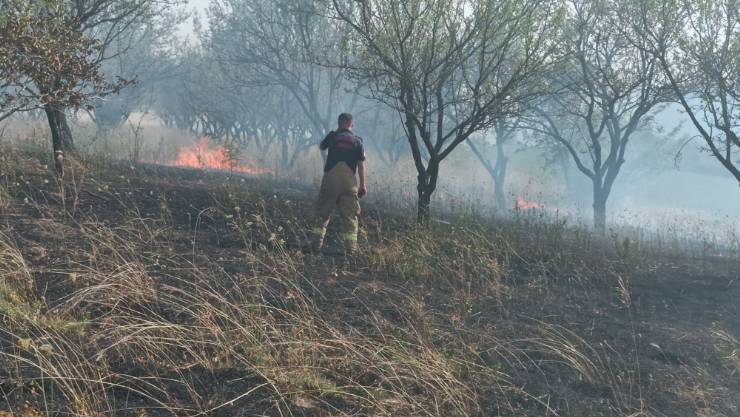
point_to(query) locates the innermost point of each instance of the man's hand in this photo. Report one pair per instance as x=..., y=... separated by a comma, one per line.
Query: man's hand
x=361, y=170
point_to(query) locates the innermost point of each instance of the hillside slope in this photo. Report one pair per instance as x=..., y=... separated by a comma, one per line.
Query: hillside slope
x=157, y=291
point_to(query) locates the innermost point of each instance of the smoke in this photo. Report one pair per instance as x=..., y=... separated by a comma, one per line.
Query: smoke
x=656, y=192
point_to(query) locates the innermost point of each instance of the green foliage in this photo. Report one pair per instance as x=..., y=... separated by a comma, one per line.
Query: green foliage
x=46, y=59
x=450, y=68
x=13, y=305
x=697, y=44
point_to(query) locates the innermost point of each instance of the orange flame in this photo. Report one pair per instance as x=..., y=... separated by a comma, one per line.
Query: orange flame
x=523, y=204
x=203, y=156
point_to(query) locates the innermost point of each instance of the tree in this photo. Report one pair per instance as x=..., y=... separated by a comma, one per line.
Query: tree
x=145, y=54
x=47, y=62
x=184, y=97
x=106, y=21
x=263, y=43
x=204, y=100
x=270, y=119
x=607, y=90
x=450, y=68
x=697, y=44
x=504, y=131
x=16, y=20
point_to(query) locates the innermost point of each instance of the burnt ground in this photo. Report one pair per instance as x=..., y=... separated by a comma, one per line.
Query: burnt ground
x=659, y=336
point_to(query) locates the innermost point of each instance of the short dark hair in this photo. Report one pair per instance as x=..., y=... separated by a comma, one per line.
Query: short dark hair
x=345, y=119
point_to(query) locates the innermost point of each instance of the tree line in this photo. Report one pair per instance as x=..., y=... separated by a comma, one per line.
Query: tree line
x=581, y=78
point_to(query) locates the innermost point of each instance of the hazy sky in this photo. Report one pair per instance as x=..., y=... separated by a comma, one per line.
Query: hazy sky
x=198, y=6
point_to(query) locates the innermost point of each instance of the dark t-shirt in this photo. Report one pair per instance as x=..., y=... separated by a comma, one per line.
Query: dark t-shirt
x=344, y=146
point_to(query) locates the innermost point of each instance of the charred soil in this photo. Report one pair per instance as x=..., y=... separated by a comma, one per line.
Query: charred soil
x=142, y=290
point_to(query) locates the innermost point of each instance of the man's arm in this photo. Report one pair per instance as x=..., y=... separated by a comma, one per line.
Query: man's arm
x=324, y=145
x=361, y=171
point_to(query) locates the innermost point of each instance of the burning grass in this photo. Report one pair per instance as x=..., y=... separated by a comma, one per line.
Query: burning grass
x=204, y=155
x=173, y=292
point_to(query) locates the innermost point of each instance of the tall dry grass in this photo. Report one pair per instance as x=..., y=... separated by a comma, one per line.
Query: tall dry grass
x=198, y=303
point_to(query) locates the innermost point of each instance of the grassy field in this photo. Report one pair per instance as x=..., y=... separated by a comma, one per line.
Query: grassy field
x=148, y=291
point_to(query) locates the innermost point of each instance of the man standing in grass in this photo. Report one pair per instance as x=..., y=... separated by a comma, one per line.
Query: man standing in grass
x=339, y=189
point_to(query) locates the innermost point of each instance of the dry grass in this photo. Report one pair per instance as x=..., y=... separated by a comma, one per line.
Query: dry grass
x=195, y=302
x=174, y=320
x=728, y=347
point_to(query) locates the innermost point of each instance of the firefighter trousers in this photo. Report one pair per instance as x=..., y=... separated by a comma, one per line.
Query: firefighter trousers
x=338, y=191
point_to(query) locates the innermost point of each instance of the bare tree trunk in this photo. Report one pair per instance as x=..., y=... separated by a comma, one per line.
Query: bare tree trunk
x=286, y=161
x=61, y=136
x=499, y=193
x=425, y=188
x=423, y=213
x=599, y=205
x=497, y=172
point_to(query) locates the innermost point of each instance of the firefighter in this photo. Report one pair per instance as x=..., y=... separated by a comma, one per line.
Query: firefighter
x=339, y=189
